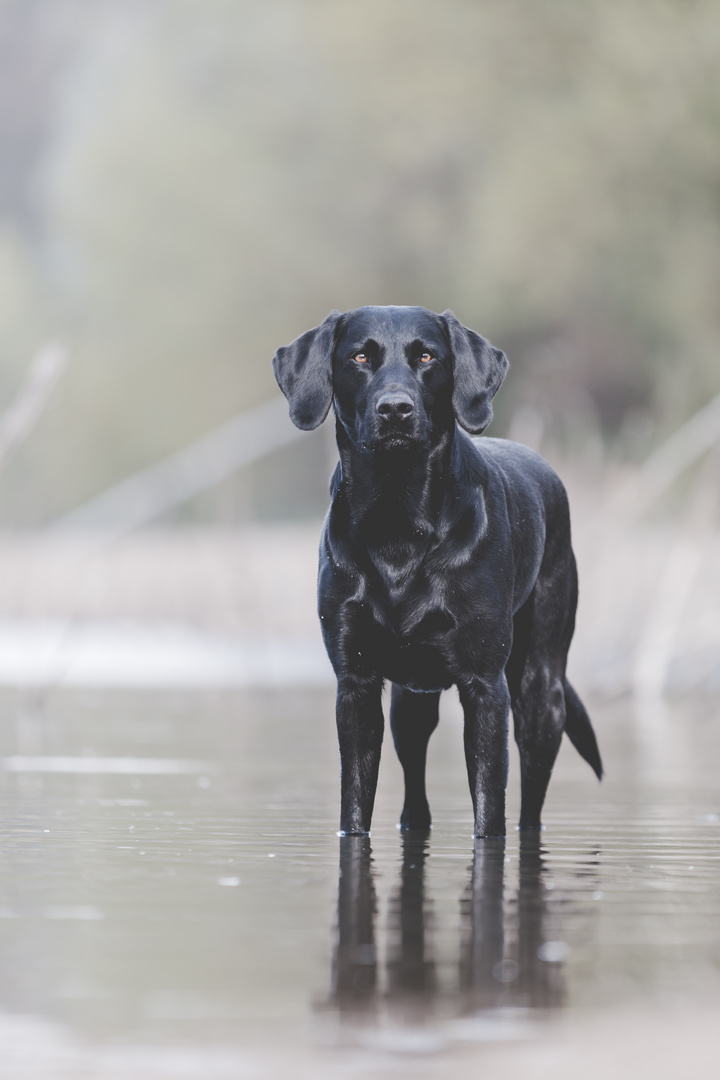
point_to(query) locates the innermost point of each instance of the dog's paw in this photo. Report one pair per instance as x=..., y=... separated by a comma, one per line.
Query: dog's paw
x=417, y=820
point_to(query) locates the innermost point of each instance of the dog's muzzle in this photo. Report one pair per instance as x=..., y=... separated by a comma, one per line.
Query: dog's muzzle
x=396, y=419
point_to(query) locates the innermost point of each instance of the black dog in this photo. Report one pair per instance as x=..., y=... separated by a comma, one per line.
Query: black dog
x=443, y=560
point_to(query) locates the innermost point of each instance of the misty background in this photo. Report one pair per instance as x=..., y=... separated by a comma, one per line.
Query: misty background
x=186, y=185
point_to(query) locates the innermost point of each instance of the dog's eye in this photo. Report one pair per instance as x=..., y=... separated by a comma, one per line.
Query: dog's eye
x=426, y=357
x=360, y=357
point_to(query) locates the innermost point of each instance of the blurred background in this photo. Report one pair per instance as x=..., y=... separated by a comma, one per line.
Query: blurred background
x=186, y=185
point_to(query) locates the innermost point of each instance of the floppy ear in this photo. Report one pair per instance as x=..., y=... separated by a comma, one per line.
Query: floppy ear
x=479, y=372
x=304, y=373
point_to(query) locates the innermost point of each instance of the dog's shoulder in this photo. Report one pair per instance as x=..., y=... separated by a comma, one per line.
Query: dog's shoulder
x=338, y=547
x=509, y=455
x=516, y=464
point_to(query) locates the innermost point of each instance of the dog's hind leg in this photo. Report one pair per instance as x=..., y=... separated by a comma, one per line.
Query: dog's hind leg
x=413, y=718
x=542, y=632
x=539, y=720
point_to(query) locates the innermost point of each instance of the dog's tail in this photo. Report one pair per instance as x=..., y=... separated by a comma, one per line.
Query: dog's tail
x=580, y=732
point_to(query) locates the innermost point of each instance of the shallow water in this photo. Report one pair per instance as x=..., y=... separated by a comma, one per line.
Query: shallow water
x=174, y=900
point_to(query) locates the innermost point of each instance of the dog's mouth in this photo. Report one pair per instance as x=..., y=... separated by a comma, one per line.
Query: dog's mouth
x=395, y=440
x=398, y=433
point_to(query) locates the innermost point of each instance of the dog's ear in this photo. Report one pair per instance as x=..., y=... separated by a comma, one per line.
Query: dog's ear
x=479, y=372
x=304, y=373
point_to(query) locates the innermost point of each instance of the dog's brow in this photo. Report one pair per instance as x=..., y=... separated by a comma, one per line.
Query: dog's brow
x=366, y=344
x=418, y=344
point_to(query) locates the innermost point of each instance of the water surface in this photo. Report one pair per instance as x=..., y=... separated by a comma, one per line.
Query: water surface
x=174, y=900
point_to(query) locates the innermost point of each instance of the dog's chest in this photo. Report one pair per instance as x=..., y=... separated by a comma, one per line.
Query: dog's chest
x=398, y=573
x=411, y=628
x=416, y=659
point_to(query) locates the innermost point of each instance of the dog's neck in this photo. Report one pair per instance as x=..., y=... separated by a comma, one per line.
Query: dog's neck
x=396, y=494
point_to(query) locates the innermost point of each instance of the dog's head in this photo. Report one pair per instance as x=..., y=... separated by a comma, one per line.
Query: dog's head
x=398, y=376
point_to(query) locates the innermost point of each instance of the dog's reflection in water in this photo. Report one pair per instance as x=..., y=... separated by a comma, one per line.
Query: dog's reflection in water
x=507, y=959
x=411, y=973
x=355, y=962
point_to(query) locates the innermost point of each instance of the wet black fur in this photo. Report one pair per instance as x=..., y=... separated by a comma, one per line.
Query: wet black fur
x=444, y=560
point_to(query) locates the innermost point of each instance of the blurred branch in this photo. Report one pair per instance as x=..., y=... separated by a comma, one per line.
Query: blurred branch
x=153, y=491
x=24, y=412
x=681, y=450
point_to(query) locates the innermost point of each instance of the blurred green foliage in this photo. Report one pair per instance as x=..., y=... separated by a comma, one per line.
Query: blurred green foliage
x=186, y=185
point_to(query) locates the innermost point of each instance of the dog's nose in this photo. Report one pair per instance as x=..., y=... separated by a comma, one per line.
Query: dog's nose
x=395, y=405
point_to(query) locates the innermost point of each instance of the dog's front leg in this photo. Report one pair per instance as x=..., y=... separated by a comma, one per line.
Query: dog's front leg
x=486, y=705
x=360, y=726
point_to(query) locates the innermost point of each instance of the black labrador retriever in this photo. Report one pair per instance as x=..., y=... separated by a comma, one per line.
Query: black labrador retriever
x=444, y=560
